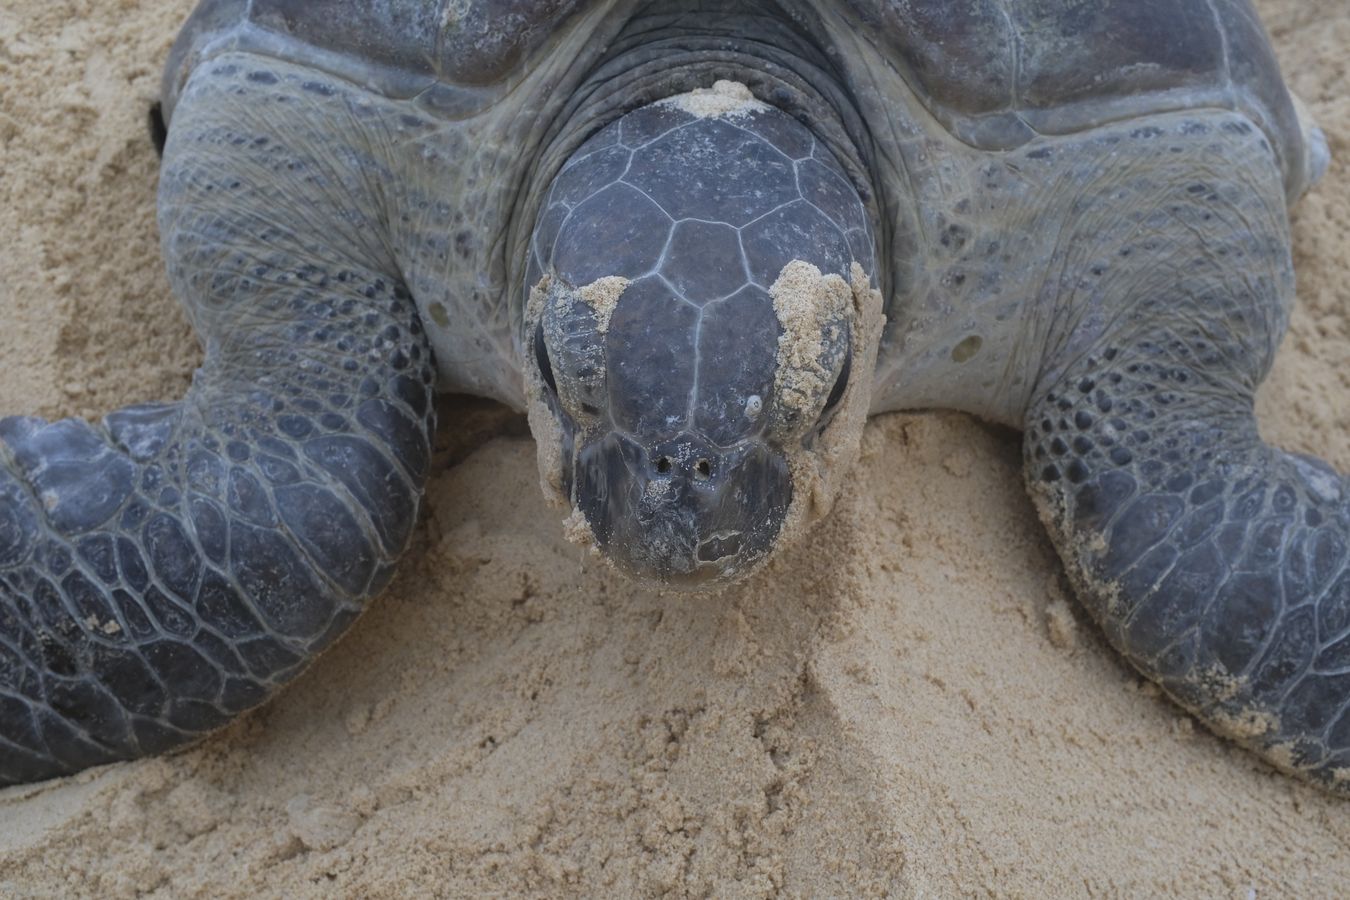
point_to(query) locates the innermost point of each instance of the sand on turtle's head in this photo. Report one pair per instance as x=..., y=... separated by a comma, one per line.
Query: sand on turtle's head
x=547, y=432
x=602, y=295
x=808, y=304
x=725, y=99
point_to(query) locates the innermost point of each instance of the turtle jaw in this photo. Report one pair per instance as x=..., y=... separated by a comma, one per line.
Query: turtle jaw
x=682, y=513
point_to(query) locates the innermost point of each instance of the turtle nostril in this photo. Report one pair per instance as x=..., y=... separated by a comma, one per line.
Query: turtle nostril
x=663, y=465
x=702, y=470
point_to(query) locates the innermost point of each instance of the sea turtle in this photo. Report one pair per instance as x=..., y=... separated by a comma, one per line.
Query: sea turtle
x=699, y=240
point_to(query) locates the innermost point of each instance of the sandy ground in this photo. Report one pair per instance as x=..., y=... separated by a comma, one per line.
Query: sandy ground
x=909, y=706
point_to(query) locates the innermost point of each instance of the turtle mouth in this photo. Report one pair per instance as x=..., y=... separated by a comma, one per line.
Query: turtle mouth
x=682, y=512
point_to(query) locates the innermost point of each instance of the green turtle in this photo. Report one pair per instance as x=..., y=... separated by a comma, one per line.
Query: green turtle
x=699, y=242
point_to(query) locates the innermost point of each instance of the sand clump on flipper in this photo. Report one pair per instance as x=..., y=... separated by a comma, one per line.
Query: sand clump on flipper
x=511, y=718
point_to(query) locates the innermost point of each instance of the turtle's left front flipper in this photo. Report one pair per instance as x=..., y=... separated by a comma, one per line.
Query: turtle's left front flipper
x=1217, y=564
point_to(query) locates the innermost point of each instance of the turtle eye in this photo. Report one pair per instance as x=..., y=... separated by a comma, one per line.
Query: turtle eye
x=837, y=392
x=541, y=359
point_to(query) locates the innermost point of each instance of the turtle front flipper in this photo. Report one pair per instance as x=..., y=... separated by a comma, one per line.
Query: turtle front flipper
x=1216, y=564
x=173, y=567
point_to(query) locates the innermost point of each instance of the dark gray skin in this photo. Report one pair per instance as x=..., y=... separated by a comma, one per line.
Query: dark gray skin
x=1074, y=215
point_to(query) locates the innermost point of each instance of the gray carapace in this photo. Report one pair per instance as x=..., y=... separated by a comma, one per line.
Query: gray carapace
x=699, y=242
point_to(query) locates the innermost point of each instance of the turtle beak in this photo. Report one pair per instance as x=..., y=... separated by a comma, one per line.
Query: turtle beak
x=683, y=512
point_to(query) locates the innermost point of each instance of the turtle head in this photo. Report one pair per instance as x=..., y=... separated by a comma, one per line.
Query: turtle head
x=701, y=334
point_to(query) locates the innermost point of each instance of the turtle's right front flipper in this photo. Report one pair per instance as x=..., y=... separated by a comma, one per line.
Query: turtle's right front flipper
x=165, y=571
x=1217, y=564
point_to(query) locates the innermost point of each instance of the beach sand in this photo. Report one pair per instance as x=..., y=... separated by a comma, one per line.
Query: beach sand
x=909, y=704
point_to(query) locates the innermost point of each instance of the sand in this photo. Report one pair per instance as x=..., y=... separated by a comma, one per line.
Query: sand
x=910, y=704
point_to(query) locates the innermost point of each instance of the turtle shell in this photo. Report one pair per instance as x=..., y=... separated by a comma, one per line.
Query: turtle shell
x=997, y=73
x=443, y=51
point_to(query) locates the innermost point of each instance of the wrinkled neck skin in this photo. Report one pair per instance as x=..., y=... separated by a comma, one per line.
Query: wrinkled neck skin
x=665, y=48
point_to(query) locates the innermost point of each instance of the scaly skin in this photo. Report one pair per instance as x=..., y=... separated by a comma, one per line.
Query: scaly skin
x=1216, y=564
x=165, y=571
